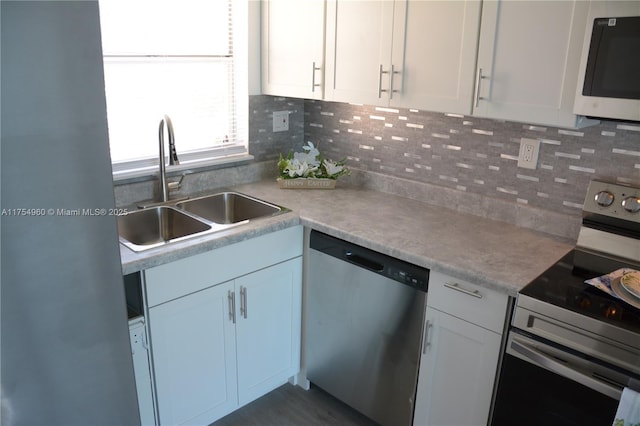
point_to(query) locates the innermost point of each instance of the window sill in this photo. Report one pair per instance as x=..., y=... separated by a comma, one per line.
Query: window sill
x=200, y=165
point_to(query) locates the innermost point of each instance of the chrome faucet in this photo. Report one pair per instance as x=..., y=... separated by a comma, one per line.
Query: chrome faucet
x=173, y=156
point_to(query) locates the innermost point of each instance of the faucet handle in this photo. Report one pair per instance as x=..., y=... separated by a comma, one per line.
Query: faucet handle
x=174, y=186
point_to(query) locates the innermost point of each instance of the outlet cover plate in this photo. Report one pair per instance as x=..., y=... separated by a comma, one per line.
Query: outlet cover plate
x=280, y=121
x=528, y=156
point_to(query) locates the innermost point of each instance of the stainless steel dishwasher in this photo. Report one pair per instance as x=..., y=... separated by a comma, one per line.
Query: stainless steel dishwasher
x=364, y=322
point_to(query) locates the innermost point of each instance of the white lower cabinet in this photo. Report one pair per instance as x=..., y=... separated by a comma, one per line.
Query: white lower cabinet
x=463, y=335
x=140, y=356
x=194, y=357
x=268, y=329
x=458, y=365
x=226, y=343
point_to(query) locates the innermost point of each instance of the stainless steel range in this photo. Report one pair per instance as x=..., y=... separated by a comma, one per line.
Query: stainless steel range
x=572, y=348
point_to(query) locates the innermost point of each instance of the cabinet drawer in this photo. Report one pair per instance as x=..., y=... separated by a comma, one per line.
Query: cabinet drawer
x=470, y=302
x=185, y=276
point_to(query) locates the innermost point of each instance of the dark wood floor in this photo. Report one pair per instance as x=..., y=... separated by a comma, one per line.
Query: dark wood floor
x=293, y=406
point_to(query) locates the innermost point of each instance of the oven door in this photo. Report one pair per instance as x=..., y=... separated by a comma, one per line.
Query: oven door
x=542, y=383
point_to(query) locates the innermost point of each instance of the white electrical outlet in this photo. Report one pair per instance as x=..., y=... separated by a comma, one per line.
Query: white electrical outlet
x=280, y=121
x=528, y=156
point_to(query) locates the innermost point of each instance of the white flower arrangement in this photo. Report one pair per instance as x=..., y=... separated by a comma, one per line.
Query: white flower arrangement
x=310, y=164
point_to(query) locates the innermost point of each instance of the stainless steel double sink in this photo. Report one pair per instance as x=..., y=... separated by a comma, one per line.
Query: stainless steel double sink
x=156, y=226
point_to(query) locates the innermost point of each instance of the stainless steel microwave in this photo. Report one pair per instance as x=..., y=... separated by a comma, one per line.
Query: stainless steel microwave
x=609, y=80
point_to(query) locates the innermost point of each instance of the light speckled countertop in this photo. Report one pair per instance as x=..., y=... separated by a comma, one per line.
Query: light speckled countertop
x=482, y=251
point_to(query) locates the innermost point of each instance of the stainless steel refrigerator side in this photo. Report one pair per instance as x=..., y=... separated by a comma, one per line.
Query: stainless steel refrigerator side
x=65, y=352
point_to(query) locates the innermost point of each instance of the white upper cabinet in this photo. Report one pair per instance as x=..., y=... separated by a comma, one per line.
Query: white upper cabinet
x=359, y=40
x=514, y=60
x=402, y=53
x=528, y=59
x=293, y=48
x=436, y=55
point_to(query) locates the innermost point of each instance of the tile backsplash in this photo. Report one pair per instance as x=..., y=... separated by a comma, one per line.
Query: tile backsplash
x=469, y=154
x=264, y=143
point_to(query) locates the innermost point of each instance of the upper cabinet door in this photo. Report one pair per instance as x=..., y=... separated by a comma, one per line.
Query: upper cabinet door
x=528, y=59
x=434, y=58
x=293, y=48
x=359, y=40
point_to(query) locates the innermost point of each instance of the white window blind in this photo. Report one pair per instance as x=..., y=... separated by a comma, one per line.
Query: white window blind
x=179, y=58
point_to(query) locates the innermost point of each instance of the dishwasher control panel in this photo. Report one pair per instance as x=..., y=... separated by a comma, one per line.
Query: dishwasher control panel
x=382, y=264
x=419, y=281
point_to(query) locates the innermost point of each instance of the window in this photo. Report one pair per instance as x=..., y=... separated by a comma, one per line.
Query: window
x=185, y=59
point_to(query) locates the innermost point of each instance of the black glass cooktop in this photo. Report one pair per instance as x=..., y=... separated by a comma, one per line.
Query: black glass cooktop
x=563, y=285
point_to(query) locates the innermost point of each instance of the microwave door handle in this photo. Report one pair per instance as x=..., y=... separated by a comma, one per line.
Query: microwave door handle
x=562, y=370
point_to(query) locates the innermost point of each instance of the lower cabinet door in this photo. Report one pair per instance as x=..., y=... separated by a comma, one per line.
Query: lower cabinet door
x=457, y=372
x=194, y=357
x=268, y=328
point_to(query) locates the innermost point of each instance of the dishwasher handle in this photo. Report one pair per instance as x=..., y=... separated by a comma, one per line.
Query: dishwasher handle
x=363, y=261
x=369, y=260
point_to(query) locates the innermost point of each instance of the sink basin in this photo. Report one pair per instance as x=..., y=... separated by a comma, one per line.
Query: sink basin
x=155, y=226
x=228, y=207
x=151, y=227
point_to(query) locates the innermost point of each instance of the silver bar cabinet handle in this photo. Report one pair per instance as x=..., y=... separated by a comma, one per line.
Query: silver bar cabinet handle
x=380, y=89
x=479, y=78
x=243, y=302
x=313, y=77
x=391, y=89
x=456, y=286
x=232, y=306
x=425, y=342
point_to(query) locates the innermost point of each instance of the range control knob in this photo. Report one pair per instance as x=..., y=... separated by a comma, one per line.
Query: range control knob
x=604, y=198
x=631, y=204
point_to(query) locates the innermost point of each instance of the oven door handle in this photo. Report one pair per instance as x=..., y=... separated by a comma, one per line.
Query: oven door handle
x=562, y=370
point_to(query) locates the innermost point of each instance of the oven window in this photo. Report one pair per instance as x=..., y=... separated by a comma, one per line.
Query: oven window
x=528, y=395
